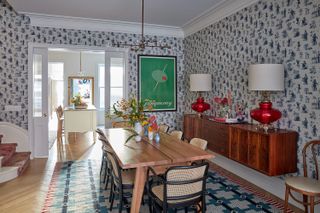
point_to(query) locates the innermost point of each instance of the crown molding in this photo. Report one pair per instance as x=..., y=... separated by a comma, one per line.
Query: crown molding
x=67, y=22
x=215, y=14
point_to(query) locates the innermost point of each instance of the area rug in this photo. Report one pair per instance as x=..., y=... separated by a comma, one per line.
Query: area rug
x=75, y=187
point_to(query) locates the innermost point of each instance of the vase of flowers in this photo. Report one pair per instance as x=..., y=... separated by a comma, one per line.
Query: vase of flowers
x=153, y=127
x=138, y=129
x=222, y=107
x=132, y=110
x=78, y=102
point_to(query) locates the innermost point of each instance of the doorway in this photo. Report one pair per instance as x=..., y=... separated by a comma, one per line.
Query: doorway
x=106, y=66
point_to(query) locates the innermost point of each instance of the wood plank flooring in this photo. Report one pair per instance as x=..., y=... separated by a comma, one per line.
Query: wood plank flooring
x=27, y=193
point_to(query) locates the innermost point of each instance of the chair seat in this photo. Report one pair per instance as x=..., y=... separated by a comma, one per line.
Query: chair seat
x=158, y=192
x=128, y=176
x=304, y=184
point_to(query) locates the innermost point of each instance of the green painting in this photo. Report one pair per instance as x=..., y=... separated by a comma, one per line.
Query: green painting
x=157, y=81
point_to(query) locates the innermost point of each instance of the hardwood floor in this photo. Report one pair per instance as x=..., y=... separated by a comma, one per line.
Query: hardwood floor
x=27, y=193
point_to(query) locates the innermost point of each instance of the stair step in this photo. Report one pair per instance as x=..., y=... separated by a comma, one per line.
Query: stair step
x=8, y=173
x=7, y=150
x=20, y=160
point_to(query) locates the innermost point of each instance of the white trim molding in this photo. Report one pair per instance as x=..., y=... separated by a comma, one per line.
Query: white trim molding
x=67, y=22
x=215, y=14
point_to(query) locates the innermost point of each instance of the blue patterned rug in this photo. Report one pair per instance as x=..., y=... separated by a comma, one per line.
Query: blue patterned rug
x=75, y=187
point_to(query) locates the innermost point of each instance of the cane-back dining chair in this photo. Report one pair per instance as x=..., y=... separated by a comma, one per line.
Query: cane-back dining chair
x=177, y=134
x=309, y=184
x=122, y=183
x=198, y=142
x=180, y=187
x=163, y=128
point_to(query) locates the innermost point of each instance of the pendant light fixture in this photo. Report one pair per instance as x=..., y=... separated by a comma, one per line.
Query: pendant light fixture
x=143, y=43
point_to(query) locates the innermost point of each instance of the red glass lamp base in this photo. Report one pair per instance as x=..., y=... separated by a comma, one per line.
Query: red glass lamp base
x=265, y=114
x=200, y=106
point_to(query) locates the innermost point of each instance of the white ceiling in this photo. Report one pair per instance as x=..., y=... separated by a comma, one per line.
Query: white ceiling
x=160, y=12
x=178, y=18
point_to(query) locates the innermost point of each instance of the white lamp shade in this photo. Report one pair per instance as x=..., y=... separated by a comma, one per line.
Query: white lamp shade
x=200, y=82
x=266, y=77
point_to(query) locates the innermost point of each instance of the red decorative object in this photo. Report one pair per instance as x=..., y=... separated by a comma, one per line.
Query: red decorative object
x=200, y=106
x=265, y=114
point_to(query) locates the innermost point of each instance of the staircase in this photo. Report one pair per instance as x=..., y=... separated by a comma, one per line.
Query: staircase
x=12, y=163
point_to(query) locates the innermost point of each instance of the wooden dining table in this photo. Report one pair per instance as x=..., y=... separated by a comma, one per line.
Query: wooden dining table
x=141, y=155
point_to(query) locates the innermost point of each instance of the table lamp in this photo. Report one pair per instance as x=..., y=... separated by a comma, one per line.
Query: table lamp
x=266, y=78
x=200, y=83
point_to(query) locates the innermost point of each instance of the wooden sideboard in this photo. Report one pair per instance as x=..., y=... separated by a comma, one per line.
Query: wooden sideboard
x=272, y=153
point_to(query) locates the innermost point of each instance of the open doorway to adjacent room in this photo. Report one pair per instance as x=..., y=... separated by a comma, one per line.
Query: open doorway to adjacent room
x=54, y=67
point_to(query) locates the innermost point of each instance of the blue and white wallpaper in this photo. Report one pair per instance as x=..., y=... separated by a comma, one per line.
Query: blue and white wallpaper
x=15, y=34
x=270, y=31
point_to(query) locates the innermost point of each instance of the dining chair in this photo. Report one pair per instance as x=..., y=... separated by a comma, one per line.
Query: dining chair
x=105, y=168
x=163, y=128
x=309, y=184
x=60, y=118
x=121, y=124
x=180, y=187
x=198, y=142
x=122, y=181
x=177, y=134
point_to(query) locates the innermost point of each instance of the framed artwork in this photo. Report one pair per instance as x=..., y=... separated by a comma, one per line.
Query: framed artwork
x=157, y=81
x=83, y=86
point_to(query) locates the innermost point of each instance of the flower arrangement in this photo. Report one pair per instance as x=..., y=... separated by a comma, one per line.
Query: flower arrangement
x=222, y=107
x=132, y=110
x=77, y=101
x=152, y=124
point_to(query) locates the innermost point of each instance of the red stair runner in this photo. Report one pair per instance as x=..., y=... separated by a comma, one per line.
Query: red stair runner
x=13, y=158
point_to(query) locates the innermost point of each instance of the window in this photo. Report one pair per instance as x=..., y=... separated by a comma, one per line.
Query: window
x=55, y=74
x=101, y=87
x=116, y=81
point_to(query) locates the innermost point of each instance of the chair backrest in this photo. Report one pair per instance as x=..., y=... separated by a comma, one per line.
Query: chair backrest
x=116, y=170
x=313, y=148
x=121, y=124
x=185, y=182
x=163, y=128
x=177, y=134
x=198, y=142
x=59, y=112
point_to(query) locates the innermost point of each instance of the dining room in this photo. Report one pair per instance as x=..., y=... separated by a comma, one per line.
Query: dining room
x=213, y=107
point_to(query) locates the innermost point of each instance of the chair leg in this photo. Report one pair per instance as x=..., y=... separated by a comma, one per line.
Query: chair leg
x=311, y=204
x=107, y=182
x=112, y=199
x=305, y=200
x=120, y=202
x=286, y=199
x=111, y=192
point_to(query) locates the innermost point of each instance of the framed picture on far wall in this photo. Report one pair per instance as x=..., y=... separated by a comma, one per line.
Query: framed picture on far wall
x=157, y=81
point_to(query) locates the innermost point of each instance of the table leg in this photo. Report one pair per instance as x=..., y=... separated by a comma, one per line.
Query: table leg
x=66, y=134
x=140, y=179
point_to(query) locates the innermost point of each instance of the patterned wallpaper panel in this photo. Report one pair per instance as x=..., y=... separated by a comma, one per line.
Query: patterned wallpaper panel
x=16, y=32
x=270, y=31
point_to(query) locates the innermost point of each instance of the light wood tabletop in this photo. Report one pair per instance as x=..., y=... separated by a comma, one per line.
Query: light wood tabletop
x=146, y=153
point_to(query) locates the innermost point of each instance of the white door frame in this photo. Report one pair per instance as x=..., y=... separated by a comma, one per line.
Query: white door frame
x=31, y=46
